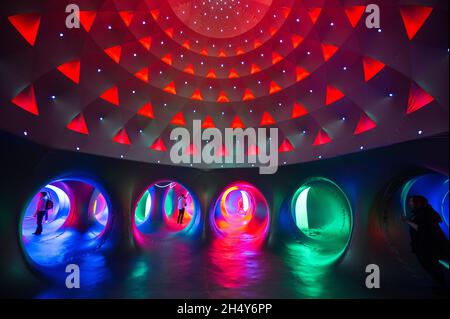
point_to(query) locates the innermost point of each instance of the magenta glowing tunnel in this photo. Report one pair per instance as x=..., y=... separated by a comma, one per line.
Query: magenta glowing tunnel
x=240, y=211
x=156, y=213
x=77, y=223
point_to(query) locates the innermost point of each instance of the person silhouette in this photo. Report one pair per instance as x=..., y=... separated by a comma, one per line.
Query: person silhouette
x=43, y=206
x=428, y=241
x=182, y=203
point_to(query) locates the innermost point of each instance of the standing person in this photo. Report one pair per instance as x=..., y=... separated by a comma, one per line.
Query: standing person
x=182, y=203
x=428, y=241
x=43, y=206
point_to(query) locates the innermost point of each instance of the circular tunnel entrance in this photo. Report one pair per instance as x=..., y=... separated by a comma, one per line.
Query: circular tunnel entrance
x=435, y=188
x=322, y=216
x=388, y=229
x=75, y=216
x=157, y=211
x=240, y=211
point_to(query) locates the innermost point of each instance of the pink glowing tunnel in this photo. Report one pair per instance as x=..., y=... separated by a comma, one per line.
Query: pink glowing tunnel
x=240, y=211
x=157, y=211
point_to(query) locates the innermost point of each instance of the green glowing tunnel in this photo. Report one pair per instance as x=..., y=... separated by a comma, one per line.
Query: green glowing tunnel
x=323, y=216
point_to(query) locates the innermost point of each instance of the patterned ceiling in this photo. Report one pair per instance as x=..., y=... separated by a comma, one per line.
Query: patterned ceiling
x=137, y=69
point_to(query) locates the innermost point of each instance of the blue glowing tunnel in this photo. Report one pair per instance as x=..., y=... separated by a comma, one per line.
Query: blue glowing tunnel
x=156, y=212
x=320, y=217
x=435, y=188
x=76, y=224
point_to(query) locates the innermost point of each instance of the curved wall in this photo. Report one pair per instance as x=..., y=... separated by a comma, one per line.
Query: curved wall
x=27, y=166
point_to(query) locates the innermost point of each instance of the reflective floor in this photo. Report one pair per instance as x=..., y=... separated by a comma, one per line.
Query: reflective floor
x=222, y=268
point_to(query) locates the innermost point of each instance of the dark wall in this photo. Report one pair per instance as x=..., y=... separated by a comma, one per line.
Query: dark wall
x=26, y=167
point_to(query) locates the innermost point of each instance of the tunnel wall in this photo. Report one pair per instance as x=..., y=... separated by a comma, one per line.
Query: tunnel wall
x=26, y=167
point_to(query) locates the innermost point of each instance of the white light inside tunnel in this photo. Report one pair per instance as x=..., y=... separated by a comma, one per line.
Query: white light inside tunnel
x=323, y=217
x=301, y=210
x=75, y=225
x=157, y=212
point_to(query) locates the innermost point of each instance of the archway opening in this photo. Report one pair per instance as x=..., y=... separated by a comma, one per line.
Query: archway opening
x=157, y=211
x=322, y=216
x=240, y=211
x=77, y=217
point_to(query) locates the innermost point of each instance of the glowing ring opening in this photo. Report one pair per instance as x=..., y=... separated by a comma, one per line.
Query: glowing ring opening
x=157, y=211
x=435, y=188
x=323, y=216
x=76, y=223
x=240, y=211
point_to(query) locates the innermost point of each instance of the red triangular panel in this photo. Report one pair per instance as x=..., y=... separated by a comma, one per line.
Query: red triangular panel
x=127, y=17
x=267, y=119
x=322, y=138
x=414, y=18
x=255, y=69
x=211, y=74
x=208, y=122
x=233, y=74
x=333, y=95
x=87, y=19
x=27, y=100
x=147, y=111
x=301, y=74
x=155, y=14
x=296, y=40
x=248, y=95
x=71, y=70
x=354, y=14
x=239, y=51
x=223, y=98
x=286, y=146
x=170, y=88
x=257, y=44
x=365, y=124
x=418, y=99
x=27, y=25
x=167, y=59
x=178, y=119
x=114, y=53
x=274, y=87
x=111, y=96
x=371, y=68
x=298, y=111
x=122, y=137
x=78, y=124
x=159, y=145
x=143, y=75
x=190, y=69
x=197, y=95
x=314, y=14
x=169, y=32
x=328, y=51
x=146, y=42
x=237, y=123
x=276, y=57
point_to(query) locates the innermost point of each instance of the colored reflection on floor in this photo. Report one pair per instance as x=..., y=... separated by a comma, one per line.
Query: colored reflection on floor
x=221, y=269
x=75, y=225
